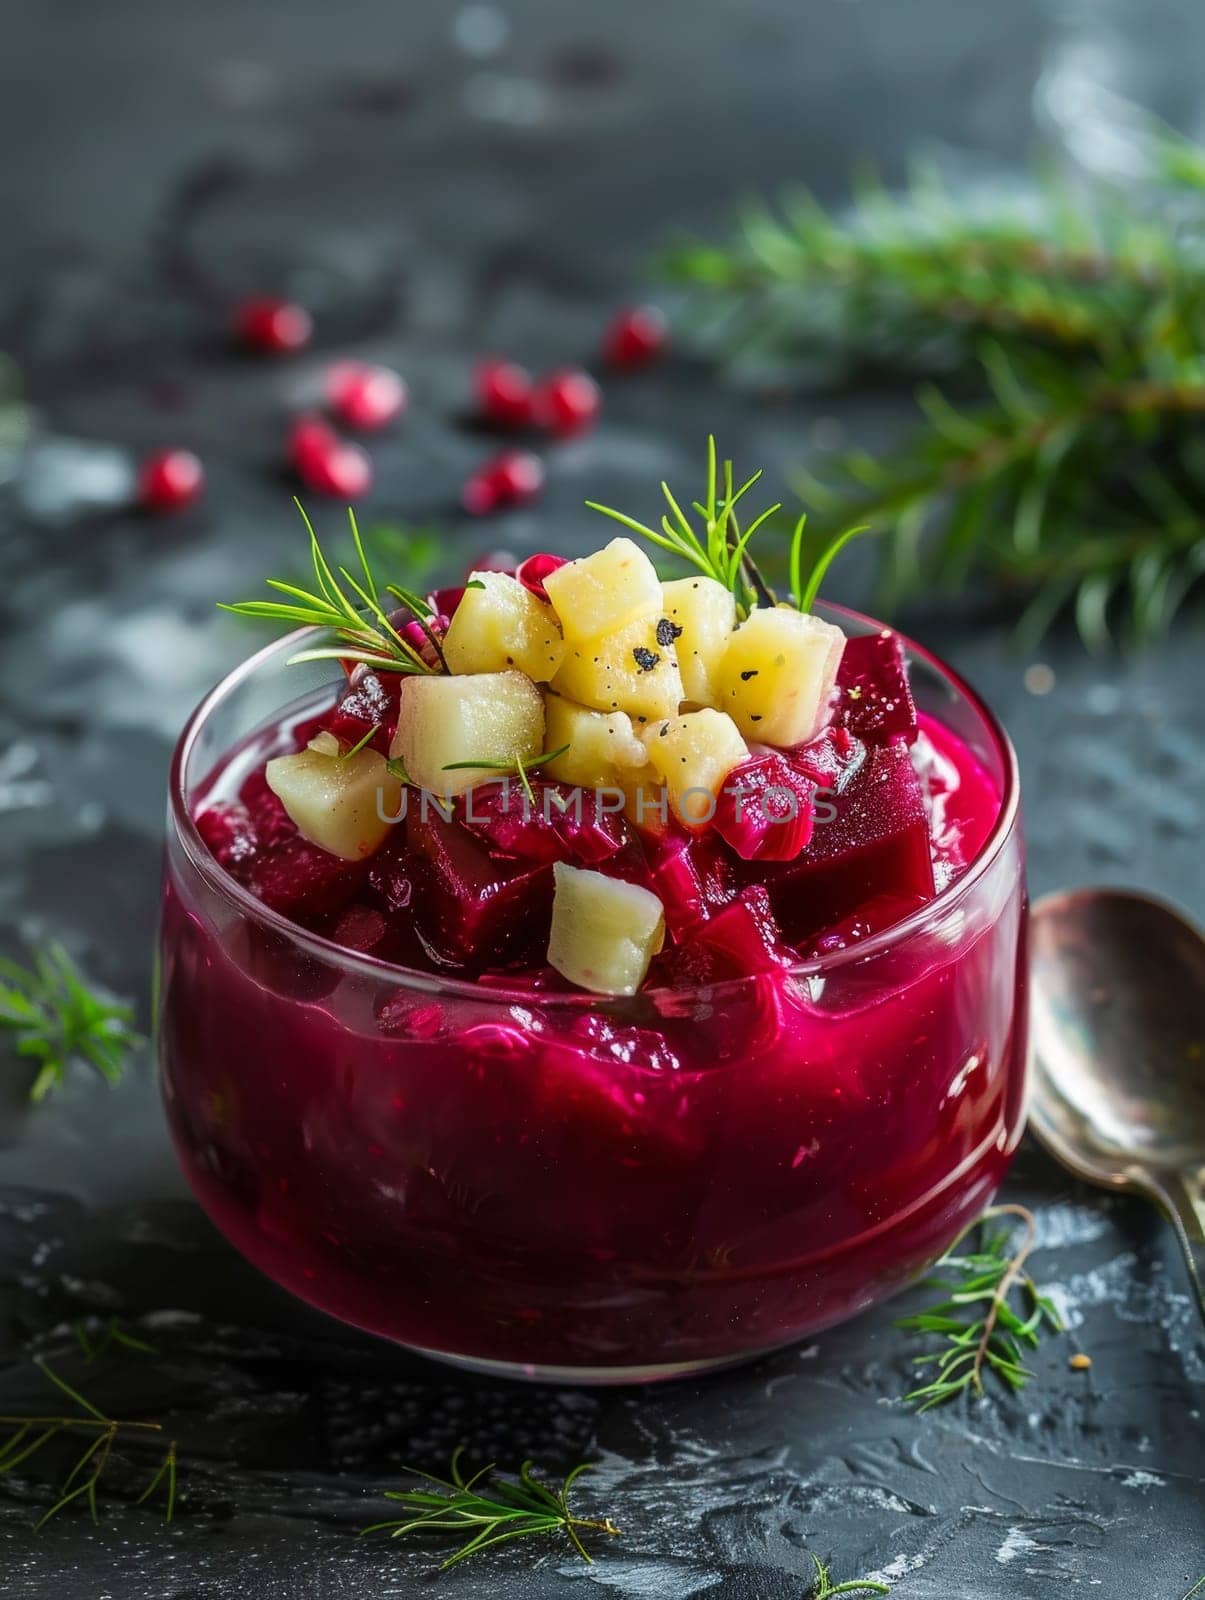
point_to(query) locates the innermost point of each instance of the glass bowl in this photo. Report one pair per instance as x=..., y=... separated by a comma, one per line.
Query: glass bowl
x=577, y=1188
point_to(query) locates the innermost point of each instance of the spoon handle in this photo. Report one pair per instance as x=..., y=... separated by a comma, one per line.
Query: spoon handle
x=1183, y=1198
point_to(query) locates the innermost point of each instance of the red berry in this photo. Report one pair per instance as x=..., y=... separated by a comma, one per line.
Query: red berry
x=277, y=326
x=636, y=336
x=365, y=396
x=170, y=479
x=568, y=401
x=503, y=392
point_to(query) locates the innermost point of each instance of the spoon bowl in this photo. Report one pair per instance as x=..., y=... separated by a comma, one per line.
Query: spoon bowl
x=1118, y=987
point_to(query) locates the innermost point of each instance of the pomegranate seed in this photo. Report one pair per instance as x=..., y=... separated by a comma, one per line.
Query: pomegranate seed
x=517, y=476
x=480, y=495
x=365, y=396
x=344, y=472
x=170, y=479
x=568, y=401
x=636, y=336
x=277, y=326
x=311, y=440
x=503, y=392
x=532, y=572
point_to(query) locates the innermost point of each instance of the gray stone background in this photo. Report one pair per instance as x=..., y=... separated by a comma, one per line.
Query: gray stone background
x=438, y=181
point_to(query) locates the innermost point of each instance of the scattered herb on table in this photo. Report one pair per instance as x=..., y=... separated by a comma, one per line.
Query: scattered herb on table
x=112, y=1334
x=978, y=1325
x=490, y=1509
x=1072, y=468
x=31, y=1434
x=56, y=1019
x=825, y=1586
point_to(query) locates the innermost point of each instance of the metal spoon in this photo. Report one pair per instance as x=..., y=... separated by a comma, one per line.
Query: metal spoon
x=1118, y=1090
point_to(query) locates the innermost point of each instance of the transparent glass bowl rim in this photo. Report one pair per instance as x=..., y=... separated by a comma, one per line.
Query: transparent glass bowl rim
x=432, y=984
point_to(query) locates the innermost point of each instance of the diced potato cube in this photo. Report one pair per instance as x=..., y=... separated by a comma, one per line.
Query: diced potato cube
x=602, y=745
x=604, y=592
x=604, y=931
x=489, y=716
x=704, y=612
x=777, y=675
x=343, y=804
x=501, y=625
x=647, y=804
x=634, y=669
x=692, y=755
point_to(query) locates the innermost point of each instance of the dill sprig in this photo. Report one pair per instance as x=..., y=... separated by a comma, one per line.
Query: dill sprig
x=491, y=1509
x=825, y=1587
x=1070, y=469
x=56, y=1019
x=92, y=1345
x=351, y=608
x=522, y=766
x=720, y=549
x=980, y=1329
x=31, y=1434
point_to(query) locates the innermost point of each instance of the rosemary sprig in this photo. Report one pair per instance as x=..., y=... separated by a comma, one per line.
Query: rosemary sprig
x=524, y=767
x=980, y=1328
x=491, y=1510
x=93, y=1346
x=56, y=1019
x=720, y=549
x=351, y=609
x=31, y=1434
x=1071, y=320
x=825, y=1586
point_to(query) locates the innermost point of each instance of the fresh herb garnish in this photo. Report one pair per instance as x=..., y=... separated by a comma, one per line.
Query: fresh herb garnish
x=720, y=550
x=1072, y=320
x=357, y=619
x=33, y=1433
x=57, y=1019
x=979, y=1327
x=491, y=1510
x=92, y=1346
x=354, y=750
x=826, y=1587
x=522, y=766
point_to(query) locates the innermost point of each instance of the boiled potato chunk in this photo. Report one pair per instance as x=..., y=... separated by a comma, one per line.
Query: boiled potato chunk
x=340, y=803
x=602, y=745
x=777, y=675
x=604, y=592
x=704, y=612
x=604, y=931
x=692, y=755
x=646, y=803
x=634, y=669
x=501, y=625
x=488, y=716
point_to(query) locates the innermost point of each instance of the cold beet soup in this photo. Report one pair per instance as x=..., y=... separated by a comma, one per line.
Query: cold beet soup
x=603, y=977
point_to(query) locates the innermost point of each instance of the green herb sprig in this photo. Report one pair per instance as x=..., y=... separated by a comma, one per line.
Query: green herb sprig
x=720, y=549
x=351, y=608
x=491, y=1510
x=523, y=767
x=1066, y=462
x=825, y=1587
x=31, y=1434
x=979, y=1328
x=55, y=1019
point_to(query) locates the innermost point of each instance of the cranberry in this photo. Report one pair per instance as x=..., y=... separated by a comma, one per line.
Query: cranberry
x=567, y=401
x=636, y=336
x=170, y=479
x=504, y=393
x=275, y=326
x=364, y=396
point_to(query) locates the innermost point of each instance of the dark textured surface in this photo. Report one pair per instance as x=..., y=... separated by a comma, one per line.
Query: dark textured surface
x=430, y=205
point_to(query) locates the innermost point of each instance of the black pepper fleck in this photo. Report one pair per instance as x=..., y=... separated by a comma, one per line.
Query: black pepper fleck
x=667, y=632
x=752, y=673
x=645, y=659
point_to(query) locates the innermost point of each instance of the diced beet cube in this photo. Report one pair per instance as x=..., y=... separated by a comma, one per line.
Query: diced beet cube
x=875, y=699
x=370, y=701
x=871, y=837
x=303, y=882
x=391, y=870
x=691, y=876
x=830, y=759
x=229, y=832
x=883, y=911
x=361, y=928
x=739, y=940
x=558, y=823
x=764, y=810
x=475, y=907
x=273, y=825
